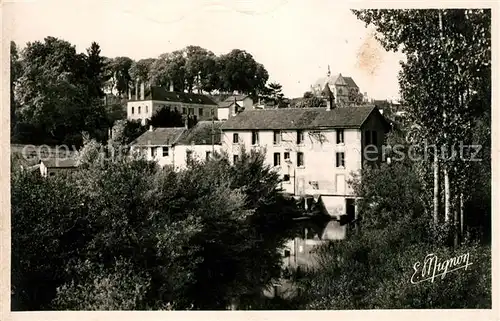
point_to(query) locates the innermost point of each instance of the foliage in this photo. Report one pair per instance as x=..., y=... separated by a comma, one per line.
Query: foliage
x=46, y=234
x=122, y=233
x=141, y=70
x=310, y=100
x=240, y=72
x=119, y=68
x=273, y=94
x=167, y=118
x=56, y=93
x=445, y=81
x=372, y=268
x=126, y=131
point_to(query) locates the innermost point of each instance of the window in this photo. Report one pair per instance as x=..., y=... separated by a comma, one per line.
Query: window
x=370, y=137
x=340, y=159
x=191, y=111
x=300, y=159
x=286, y=155
x=208, y=155
x=212, y=112
x=153, y=151
x=139, y=109
x=132, y=110
x=277, y=160
x=300, y=137
x=165, y=151
x=146, y=109
x=255, y=137
x=340, y=136
x=277, y=137
x=286, y=178
x=200, y=112
x=235, y=138
x=184, y=110
x=235, y=158
x=52, y=174
x=189, y=156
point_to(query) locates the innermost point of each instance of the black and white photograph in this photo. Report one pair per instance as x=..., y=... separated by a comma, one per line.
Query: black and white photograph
x=247, y=156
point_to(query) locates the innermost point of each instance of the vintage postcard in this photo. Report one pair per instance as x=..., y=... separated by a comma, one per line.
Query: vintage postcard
x=272, y=157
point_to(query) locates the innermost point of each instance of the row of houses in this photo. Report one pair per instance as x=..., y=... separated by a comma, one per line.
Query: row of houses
x=205, y=107
x=314, y=150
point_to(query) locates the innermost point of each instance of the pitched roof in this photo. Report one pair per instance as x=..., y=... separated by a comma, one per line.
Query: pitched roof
x=161, y=94
x=333, y=80
x=160, y=136
x=54, y=162
x=237, y=97
x=299, y=118
x=201, y=134
x=327, y=92
x=350, y=82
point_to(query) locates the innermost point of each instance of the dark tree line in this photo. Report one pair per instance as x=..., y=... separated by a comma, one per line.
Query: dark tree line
x=57, y=93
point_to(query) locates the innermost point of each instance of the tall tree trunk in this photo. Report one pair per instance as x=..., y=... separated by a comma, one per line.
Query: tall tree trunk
x=447, y=195
x=455, y=220
x=436, y=189
x=462, y=207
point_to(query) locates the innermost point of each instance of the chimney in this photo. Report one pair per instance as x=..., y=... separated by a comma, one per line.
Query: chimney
x=186, y=122
x=150, y=128
x=142, y=90
x=171, y=86
x=328, y=104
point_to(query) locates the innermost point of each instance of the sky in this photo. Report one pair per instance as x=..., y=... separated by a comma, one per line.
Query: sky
x=295, y=40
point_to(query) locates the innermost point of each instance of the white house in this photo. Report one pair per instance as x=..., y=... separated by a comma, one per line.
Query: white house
x=315, y=150
x=232, y=105
x=202, y=106
x=176, y=146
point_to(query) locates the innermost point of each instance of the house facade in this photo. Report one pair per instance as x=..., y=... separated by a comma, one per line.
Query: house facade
x=202, y=106
x=178, y=145
x=232, y=105
x=315, y=150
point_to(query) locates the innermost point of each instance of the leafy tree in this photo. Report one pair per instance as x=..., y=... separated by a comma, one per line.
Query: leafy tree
x=126, y=131
x=446, y=84
x=240, y=72
x=274, y=94
x=55, y=100
x=355, y=97
x=96, y=71
x=120, y=70
x=199, y=65
x=46, y=234
x=372, y=268
x=148, y=238
x=308, y=94
x=141, y=69
x=166, y=118
x=15, y=70
x=169, y=69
